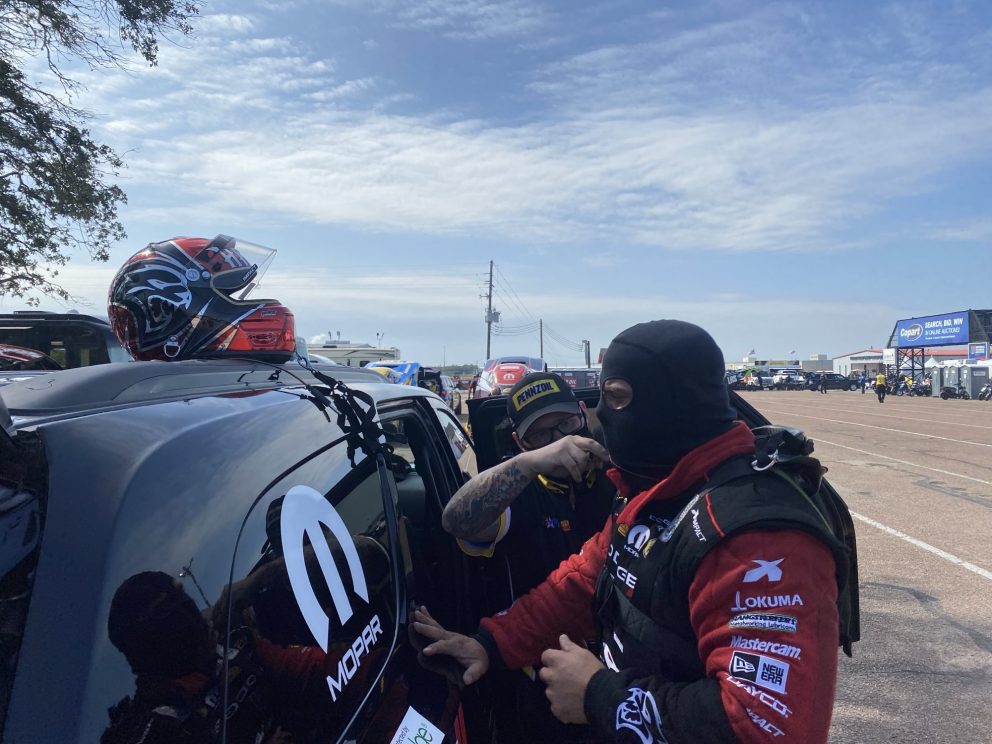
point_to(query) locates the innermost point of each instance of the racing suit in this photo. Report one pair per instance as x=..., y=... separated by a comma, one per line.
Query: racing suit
x=717, y=609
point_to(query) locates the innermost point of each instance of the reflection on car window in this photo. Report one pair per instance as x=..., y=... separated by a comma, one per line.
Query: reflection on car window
x=460, y=445
x=69, y=344
x=312, y=622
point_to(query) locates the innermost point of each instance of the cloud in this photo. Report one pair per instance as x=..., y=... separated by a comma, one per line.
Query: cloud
x=225, y=24
x=411, y=307
x=665, y=143
x=468, y=20
x=978, y=230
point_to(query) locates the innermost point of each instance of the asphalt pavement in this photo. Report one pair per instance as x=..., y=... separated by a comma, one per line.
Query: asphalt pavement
x=917, y=475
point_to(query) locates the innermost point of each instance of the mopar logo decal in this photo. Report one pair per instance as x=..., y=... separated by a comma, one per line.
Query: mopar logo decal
x=304, y=515
x=912, y=333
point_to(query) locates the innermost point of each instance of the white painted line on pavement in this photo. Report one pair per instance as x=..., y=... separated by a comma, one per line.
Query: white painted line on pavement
x=925, y=546
x=885, y=415
x=901, y=462
x=883, y=428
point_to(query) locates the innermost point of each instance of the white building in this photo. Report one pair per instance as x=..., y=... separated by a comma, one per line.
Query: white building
x=353, y=355
x=866, y=360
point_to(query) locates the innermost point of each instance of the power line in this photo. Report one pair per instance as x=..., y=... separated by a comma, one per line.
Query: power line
x=561, y=340
x=506, y=283
x=512, y=303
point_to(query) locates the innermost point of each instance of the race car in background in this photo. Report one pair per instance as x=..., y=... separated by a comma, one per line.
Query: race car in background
x=500, y=374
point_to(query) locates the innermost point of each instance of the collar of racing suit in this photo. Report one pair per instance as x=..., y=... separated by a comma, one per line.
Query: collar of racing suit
x=692, y=468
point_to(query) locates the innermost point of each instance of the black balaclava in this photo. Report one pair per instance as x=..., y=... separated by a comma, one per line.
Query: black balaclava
x=679, y=401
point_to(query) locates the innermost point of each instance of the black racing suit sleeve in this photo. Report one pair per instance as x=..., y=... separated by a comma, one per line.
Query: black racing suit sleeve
x=628, y=709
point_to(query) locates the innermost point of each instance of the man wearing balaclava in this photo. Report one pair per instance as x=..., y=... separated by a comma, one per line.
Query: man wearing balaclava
x=711, y=595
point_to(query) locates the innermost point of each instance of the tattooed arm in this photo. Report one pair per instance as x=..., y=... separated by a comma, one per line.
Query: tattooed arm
x=473, y=512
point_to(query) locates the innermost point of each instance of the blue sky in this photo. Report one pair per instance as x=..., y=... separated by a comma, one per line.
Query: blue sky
x=787, y=175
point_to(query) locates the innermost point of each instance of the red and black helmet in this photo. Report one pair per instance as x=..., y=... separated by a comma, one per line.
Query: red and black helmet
x=186, y=298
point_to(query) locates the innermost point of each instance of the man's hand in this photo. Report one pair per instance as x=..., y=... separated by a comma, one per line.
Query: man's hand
x=570, y=457
x=467, y=651
x=566, y=674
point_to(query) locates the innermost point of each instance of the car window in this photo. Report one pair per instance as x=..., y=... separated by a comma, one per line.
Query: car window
x=422, y=491
x=316, y=600
x=461, y=446
x=69, y=344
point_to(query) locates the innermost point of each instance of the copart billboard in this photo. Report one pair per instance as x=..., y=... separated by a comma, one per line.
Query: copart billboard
x=933, y=330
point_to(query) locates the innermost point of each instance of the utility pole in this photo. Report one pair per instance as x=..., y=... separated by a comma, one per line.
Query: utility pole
x=588, y=356
x=540, y=325
x=489, y=314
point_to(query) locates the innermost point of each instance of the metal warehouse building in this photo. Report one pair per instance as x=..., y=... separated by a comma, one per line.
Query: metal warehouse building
x=866, y=360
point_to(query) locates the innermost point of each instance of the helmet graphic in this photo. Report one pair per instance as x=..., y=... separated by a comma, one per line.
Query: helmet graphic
x=177, y=300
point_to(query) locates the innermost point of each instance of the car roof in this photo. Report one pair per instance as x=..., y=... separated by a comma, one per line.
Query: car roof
x=45, y=315
x=104, y=387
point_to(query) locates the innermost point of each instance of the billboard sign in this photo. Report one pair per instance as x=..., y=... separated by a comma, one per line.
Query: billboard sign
x=889, y=357
x=933, y=330
x=978, y=352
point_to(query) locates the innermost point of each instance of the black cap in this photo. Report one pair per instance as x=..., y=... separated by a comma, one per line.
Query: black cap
x=537, y=394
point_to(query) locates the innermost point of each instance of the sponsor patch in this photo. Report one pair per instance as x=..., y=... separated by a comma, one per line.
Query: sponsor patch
x=638, y=536
x=763, y=724
x=763, y=697
x=670, y=530
x=764, y=671
x=554, y=523
x=639, y=713
x=765, y=570
x=764, y=621
x=753, y=644
x=765, y=602
x=535, y=390
x=697, y=530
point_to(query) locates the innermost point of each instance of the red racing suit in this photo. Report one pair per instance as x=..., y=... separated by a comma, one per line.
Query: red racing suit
x=759, y=620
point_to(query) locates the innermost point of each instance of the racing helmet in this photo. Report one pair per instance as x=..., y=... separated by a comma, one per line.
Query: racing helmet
x=187, y=298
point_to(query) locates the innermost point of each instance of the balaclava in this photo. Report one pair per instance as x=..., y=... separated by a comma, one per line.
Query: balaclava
x=680, y=399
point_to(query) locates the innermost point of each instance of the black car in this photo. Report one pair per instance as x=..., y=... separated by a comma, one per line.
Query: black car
x=834, y=380
x=137, y=500
x=241, y=484
x=70, y=339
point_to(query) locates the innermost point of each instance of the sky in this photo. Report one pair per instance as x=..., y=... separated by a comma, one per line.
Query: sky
x=790, y=176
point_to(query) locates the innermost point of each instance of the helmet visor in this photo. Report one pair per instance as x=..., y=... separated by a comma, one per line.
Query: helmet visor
x=248, y=261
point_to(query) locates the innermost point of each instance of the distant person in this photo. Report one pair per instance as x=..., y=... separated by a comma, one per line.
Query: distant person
x=823, y=383
x=880, y=387
x=863, y=381
x=909, y=383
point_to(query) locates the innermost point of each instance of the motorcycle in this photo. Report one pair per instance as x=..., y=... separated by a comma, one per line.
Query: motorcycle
x=954, y=392
x=921, y=389
x=986, y=392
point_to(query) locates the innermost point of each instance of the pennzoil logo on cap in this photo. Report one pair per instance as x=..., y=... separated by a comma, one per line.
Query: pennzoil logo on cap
x=534, y=390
